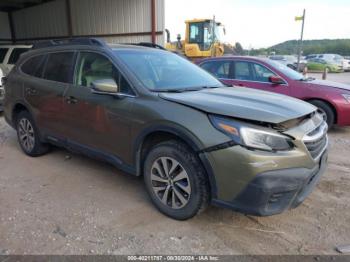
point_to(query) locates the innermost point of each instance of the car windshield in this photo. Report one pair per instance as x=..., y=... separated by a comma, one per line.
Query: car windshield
x=164, y=71
x=290, y=73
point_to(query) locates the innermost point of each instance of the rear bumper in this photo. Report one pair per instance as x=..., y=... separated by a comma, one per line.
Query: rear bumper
x=275, y=191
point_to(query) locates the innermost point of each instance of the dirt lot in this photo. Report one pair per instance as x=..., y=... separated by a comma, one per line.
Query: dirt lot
x=63, y=203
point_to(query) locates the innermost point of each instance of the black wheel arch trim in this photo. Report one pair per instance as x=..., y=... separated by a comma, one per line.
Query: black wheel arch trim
x=13, y=107
x=183, y=134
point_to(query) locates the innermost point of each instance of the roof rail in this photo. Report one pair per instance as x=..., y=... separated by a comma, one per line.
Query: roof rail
x=148, y=44
x=69, y=41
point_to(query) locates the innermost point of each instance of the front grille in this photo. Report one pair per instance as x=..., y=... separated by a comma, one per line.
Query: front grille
x=316, y=141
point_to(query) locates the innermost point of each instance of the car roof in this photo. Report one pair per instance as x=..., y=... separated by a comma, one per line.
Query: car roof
x=74, y=47
x=234, y=57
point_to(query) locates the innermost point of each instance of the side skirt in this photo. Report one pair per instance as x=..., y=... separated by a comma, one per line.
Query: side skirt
x=92, y=153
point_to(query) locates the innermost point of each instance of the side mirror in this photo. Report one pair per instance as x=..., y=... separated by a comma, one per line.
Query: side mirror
x=105, y=86
x=276, y=80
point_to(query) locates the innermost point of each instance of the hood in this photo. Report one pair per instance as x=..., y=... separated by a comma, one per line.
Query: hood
x=243, y=103
x=330, y=84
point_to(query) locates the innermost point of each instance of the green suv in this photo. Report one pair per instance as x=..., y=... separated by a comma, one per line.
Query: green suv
x=154, y=114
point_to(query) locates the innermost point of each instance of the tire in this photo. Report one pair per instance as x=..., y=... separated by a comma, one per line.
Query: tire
x=28, y=135
x=326, y=110
x=188, y=179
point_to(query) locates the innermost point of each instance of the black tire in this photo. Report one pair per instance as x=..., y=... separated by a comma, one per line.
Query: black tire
x=197, y=199
x=326, y=110
x=37, y=148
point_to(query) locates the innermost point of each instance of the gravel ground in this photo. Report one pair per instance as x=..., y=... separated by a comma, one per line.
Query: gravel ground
x=64, y=203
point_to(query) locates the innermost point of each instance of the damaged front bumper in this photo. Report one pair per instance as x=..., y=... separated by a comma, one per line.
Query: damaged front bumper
x=275, y=191
x=265, y=183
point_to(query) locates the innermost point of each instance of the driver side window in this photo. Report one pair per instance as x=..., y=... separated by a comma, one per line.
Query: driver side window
x=261, y=73
x=93, y=66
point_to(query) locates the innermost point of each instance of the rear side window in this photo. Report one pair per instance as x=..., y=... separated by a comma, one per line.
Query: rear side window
x=3, y=52
x=59, y=67
x=16, y=54
x=220, y=69
x=34, y=66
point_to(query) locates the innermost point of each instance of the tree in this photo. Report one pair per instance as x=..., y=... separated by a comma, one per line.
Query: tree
x=239, y=49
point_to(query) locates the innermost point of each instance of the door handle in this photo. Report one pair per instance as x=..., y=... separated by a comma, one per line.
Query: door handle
x=31, y=91
x=240, y=85
x=71, y=100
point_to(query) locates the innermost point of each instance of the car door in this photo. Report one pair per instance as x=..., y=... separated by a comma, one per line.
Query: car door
x=257, y=76
x=98, y=122
x=44, y=89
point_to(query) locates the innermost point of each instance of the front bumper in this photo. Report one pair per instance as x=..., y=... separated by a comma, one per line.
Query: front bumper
x=264, y=183
x=275, y=191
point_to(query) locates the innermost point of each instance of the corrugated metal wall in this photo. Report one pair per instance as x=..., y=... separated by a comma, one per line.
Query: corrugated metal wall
x=41, y=21
x=90, y=17
x=105, y=18
x=5, y=32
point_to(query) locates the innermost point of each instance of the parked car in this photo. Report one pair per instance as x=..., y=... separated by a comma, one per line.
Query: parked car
x=290, y=61
x=311, y=56
x=332, y=99
x=9, y=54
x=319, y=64
x=152, y=113
x=346, y=64
x=333, y=59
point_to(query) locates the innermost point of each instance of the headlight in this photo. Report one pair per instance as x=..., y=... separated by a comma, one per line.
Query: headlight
x=347, y=97
x=265, y=140
x=252, y=137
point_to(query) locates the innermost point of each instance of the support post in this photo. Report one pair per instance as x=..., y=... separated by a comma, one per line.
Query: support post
x=301, y=41
x=12, y=28
x=153, y=21
x=69, y=19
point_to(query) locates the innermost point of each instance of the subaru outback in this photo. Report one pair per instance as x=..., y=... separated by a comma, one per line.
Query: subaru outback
x=154, y=114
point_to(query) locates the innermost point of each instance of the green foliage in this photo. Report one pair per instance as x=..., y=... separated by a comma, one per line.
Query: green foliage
x=239, y=49
x=336, y=46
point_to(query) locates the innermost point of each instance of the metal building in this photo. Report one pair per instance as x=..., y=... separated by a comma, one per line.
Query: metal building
x=117, y=21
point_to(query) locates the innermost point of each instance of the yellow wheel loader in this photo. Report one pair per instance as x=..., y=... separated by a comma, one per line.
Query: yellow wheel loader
x=203, y=39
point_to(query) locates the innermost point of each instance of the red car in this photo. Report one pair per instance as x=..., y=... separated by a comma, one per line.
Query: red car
x=333, y=99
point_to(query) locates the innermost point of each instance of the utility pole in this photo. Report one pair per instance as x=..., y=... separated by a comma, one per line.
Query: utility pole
x=301, y=37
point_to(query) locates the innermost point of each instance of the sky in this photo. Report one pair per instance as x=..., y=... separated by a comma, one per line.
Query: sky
x=263, y=23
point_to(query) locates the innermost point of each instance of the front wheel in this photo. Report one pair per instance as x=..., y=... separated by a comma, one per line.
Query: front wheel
x=175, y=180
x=326, y=110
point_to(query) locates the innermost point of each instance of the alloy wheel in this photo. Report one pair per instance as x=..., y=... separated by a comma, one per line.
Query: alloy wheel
x=26, y=134
x=170, y=182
